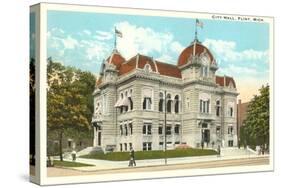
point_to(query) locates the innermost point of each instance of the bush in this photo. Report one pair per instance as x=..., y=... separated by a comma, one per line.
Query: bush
x=140, y=155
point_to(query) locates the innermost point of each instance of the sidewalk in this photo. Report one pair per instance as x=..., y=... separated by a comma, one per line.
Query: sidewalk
x=106, y=165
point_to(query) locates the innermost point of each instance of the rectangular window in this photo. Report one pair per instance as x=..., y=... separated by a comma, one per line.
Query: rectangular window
x=146, y=146
x=125, y=146
x=131, y=128
x=121, y=149
x=126, y=130
x=130, y=145
x=121, y=130
x=231, y=112
x=230, y=130
x=149, y=146
x=147, y=103
x=160, y=130
x=230, y=143
x=204, y=125
x=218, y=130
x=218, y=111
x=177, y=129
x=147, y=129
x=169, y=130
x=144, y=129
x=204, y=106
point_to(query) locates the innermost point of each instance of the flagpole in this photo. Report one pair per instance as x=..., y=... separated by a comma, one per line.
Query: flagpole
x=196, y=30
x=114, y=37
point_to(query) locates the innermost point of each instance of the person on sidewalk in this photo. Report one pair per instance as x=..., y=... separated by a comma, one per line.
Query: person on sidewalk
x=73, y=154
x=132, y=157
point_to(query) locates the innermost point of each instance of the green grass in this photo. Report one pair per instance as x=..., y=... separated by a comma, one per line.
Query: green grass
x=69, y=164
x=140, y=155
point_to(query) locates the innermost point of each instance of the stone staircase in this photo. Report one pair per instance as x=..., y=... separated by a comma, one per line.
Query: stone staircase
x=84, y=151
x=235, y=151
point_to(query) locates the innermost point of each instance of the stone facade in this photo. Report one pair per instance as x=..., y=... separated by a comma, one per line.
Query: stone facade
x=134, y=96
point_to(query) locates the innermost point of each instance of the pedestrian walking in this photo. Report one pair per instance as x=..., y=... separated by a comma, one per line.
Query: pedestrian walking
x=73, y=154
x=132, y=161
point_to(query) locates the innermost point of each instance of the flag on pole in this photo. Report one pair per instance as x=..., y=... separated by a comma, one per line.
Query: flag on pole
x=118, y=33
x=199, y=24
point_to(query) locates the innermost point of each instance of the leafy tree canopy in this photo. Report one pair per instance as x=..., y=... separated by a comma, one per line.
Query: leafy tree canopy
x=256, y=126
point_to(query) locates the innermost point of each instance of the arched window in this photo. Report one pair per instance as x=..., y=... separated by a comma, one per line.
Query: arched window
x=169, y=103
x=131, y=103
x=130, y=100
x=147, y=99
x=177, y=104
x=204, y=71
x=230, y=109
x=121, y=109
x=161, y=102
x=218, y=108
x=126, y=107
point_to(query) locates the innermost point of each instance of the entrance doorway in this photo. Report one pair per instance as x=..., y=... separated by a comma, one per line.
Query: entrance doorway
x=99, y=138
x=205, y=137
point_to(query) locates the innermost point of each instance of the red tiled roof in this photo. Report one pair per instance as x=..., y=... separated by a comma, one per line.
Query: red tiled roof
x=116, y=59
x=187, y=52
x=225, y=81
x=168, y=69
x=128, y=66
x=141, y=60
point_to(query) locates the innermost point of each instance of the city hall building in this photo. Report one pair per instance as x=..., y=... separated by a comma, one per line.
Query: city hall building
x=136, y=99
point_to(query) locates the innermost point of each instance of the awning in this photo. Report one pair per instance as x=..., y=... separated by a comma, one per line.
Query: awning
x=125, y=102
x=118, y=103
x=97, y=111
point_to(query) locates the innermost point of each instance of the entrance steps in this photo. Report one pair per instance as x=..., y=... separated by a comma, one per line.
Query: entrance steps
x=84, y=151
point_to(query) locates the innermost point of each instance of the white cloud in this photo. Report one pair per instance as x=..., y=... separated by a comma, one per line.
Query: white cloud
x=97, y=51
x=234, y=70
x=147, y=41
x=87, y=32
x=69, y=42
x=226, y=51
x=102, y=35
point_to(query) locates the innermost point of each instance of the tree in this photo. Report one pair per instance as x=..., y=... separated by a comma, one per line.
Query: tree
x=32, y=110
x=256, y=130
x=69, y=101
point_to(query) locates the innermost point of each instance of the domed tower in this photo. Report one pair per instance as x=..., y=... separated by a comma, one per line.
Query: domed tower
x=196, y=62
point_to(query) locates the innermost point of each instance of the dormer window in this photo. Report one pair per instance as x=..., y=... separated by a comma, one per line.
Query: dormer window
x=147, y=67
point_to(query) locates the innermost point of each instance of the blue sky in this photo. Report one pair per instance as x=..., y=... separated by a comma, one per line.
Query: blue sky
x=83, y=40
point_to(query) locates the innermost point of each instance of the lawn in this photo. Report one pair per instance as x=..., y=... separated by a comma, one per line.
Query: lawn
x=58, y=163
x=140, y=155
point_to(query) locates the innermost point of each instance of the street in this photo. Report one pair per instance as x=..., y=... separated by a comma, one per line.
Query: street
x=264, y=160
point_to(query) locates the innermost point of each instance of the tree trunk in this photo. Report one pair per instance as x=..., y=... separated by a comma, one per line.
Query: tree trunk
x=60, y=142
